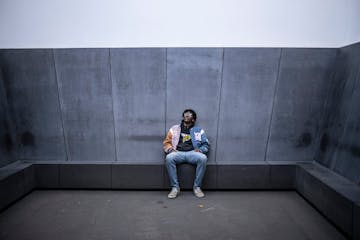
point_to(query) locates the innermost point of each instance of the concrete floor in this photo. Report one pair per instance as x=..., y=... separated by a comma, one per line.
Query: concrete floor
x=150, y=215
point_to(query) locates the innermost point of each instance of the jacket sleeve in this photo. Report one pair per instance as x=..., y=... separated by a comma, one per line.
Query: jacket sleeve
x=205, y=145
x=167, y=145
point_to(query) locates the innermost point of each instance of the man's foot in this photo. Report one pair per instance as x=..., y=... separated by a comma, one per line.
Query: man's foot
x=174, y=192
x=198, y=193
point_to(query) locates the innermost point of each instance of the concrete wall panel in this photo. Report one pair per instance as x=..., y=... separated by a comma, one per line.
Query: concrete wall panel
x=29, y=78
x=7, y=137
x=249, y=80
x=304, y=76
x=333, y=120
x=194, y=81
x=337, y=107
x=86, y=100
x=347, y=154
x=139, y=91
x=339, y=145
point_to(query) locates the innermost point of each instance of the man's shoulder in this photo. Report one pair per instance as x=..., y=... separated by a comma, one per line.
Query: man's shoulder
x=197, y=128
x=174, y=127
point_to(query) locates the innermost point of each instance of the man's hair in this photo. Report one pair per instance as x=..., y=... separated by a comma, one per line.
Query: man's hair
x=190, y=111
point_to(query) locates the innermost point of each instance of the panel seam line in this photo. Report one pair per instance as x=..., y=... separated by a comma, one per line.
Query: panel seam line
x=112, y=103
x=273, y=104
x=61, y=108
x=219, y=104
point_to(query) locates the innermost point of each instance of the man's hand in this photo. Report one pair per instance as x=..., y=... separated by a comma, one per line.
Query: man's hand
x=171, y=150
x=197, y=150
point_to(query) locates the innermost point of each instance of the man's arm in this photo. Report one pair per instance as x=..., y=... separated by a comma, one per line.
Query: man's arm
x=167, y=145
x=205, y=145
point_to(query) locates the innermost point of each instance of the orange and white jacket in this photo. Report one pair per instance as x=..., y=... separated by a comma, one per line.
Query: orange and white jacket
x=198, y=139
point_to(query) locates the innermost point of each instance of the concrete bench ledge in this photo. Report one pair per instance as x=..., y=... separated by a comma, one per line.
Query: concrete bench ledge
x=336, y=197
x=112, y=175
x=333, y=195
x=337, y=182
x=16, y=180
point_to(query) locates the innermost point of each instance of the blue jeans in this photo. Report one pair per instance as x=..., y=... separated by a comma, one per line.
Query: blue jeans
x=191, y=157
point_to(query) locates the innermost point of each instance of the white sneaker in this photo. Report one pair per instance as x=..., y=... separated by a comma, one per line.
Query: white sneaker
x=174, y=192
x=198, y=193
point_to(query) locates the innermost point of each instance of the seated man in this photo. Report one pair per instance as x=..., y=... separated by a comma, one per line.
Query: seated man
x=186, y=143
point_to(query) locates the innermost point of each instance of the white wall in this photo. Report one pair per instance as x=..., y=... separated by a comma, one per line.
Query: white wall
x=181, y=23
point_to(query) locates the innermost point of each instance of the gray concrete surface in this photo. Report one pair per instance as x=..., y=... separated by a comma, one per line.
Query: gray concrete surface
x=194, y=81
x=347, y=155
x=32, y=93
x=97, y=104
x=300, y=96
x=7, y=137
x=85, y=93
x=16, y=180
x=249, y=81
x=139, y=96
x=256, y=104
x=330, y=193
x=339, y=148
x=150, y=215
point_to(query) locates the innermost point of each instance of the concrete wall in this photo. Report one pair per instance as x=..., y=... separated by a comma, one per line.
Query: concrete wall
x=339, y=148
x=7, y=137
x=256, y=104
x=33, y=98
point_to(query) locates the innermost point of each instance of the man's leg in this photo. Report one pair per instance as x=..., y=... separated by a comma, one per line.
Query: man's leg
x=198, y=159
x=171, y=160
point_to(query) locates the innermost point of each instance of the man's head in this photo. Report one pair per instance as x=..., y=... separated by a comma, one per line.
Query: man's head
x=189, y=116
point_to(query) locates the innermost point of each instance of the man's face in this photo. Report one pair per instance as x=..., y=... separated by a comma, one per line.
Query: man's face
x=188, y=117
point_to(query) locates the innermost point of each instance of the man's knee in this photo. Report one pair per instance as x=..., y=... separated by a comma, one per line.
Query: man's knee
x=170, y=157
x=202, y=159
